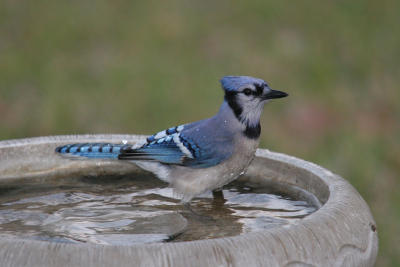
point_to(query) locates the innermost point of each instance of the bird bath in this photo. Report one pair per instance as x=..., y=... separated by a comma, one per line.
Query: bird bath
x=285, y=212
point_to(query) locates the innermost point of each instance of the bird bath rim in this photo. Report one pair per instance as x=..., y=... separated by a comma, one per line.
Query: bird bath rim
x=341, y=232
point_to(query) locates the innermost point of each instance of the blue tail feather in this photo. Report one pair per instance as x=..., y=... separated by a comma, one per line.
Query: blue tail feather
x=92, y=150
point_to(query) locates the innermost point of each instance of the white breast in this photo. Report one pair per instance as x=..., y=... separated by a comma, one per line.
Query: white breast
x=190, y=182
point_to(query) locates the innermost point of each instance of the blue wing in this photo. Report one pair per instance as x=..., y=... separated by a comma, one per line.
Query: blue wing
x=181, y=146
x=164, y=150
x=186, y=145
x=165, y=146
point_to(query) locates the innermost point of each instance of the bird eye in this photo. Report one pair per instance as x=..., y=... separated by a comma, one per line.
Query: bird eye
x=247, y=91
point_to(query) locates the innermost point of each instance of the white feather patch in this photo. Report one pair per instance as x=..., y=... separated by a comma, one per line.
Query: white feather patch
x=251, y=113
x=157, y=168
x=160, y=135
x=181, y=146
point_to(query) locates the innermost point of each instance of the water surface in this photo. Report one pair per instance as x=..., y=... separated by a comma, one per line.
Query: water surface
x=135, y=210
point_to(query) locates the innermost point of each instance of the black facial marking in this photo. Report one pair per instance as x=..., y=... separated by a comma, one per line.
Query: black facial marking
x=253, y=132
x=248, y=91
x=259, y=89
x=230, y=98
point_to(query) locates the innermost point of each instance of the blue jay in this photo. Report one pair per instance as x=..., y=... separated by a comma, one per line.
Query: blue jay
x=204, y=155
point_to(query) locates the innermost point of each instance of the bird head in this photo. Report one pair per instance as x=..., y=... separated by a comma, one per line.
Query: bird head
x=246, y=96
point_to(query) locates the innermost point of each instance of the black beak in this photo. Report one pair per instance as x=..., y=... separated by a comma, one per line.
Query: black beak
x=274, y=94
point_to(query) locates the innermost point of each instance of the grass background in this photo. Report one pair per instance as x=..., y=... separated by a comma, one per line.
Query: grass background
x=71, y=67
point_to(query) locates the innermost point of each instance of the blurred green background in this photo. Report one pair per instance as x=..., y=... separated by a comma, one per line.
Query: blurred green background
x=71, y=67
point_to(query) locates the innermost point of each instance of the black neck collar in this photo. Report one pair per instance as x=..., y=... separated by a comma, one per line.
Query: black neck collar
x=252, y=132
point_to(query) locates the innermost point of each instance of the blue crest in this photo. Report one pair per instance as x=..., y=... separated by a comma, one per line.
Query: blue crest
x=233, y=83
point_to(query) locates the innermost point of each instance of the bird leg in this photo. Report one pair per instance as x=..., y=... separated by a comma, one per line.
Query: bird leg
x=218, y=195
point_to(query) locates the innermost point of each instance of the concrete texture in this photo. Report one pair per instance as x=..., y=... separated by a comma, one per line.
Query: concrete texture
x=341, y=233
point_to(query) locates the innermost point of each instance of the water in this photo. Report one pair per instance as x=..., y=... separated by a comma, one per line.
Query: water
x=135, y=210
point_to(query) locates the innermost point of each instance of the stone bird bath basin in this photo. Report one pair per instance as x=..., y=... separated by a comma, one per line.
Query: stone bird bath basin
x=341, y=232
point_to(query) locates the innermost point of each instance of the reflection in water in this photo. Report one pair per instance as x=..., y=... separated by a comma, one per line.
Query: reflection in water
x=127, y=210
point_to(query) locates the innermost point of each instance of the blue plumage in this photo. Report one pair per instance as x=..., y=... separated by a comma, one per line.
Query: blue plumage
x=202, y=155
x=91, y=150
x=164, y=150
x=174, y=146
x=171, y=146
x=234, y=83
